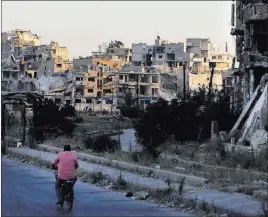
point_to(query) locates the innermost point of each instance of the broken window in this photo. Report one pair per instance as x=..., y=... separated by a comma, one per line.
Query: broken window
x=59, y=65
x=90, y=90
x=91, y=79
x=154, y=79
x=88, y=101
x=58, y=101
x=77, y=101
x=35, y=74
x=160, y=56
x=68, y=102
x=154, y=91
x=77, y=78
x=99, y=94
x=205, y=60
x=213, y=57
x=121, y=77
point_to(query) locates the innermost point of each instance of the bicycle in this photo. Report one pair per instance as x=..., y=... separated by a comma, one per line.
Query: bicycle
x=66, y=192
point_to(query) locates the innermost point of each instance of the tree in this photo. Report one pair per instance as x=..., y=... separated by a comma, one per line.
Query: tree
x=151, y=127
x=182, y=119
x=50, y=119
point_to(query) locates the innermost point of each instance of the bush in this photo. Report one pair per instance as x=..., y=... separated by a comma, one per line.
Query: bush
x=129, y=112
x=101, y=144
x=120, y=182
x=49, y=119
x=188, y=120
x=96, y=177
x=151, y=127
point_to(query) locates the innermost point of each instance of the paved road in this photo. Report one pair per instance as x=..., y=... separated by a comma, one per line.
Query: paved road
x=29, y=191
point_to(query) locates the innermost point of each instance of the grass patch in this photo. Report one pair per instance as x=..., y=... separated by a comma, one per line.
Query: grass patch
x=120, y=183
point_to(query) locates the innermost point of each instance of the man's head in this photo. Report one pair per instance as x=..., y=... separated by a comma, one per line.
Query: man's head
x=67, y=148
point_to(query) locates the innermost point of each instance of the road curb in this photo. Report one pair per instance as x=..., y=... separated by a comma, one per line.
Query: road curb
x=172, y=176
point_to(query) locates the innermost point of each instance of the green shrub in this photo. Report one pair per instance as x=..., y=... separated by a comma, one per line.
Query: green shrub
x=101, y=144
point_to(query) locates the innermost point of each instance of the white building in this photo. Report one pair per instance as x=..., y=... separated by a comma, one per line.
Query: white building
x=161, y=53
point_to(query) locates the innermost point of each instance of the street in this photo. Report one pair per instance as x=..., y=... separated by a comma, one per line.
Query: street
x=29, y=191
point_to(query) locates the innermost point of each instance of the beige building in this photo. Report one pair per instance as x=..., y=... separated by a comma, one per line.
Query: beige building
x=223, y=60
x=57, y=52
x=26, y=38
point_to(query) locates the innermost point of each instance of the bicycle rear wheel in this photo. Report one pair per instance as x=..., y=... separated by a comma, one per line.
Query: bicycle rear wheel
x=70, y=204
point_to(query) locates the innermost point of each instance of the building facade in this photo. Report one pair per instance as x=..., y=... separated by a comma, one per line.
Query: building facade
x=169, y=55
x=249, y=26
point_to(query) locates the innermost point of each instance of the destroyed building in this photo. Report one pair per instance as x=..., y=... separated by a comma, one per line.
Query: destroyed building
x=250, y=27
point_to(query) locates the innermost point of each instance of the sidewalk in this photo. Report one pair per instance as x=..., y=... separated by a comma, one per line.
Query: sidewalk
x=231, y=202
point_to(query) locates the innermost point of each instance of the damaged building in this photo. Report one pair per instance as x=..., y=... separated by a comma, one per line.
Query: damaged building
x=250, y=27
x=250, y=76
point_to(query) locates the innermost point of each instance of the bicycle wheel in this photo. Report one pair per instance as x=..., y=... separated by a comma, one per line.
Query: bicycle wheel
x=70, y=204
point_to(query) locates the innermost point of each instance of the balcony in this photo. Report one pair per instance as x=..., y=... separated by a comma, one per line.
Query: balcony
x=196, y=59
x=239, y=30
x=255, y=12
x=254, y=59
x=80, y=83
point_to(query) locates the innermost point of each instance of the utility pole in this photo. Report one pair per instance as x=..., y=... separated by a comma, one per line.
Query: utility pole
x=137, y=91
x=210, y=82
x=184, y=83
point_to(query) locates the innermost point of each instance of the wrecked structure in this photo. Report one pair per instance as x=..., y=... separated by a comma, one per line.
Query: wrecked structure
x=204, y=56
x=250, y=22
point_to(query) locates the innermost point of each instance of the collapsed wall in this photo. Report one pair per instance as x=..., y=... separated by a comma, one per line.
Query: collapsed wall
x=250, y=127
x=168, y=86
x=53, y=83
x=172, y=84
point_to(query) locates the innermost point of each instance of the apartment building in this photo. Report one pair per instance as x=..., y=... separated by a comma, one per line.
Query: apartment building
x=117, y=49
x=164, y=53
x=142, y=82
x=13, y=41
x=88, y=81
x=250, y=26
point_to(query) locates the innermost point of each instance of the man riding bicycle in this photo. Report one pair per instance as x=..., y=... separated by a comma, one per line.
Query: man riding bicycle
x=67, y=165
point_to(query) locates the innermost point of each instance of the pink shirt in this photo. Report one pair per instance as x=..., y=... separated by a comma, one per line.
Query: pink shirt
x=66, y=165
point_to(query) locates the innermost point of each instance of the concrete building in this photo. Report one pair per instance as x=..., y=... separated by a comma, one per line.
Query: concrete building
x=169, y=55
x=57, y=52
x=13, y=41
x=118, y=50
x=204, y=55
x=131, y=79
x=249, y=25
x=198, y=48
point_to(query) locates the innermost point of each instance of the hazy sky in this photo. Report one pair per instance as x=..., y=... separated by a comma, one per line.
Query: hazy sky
x=81, y=26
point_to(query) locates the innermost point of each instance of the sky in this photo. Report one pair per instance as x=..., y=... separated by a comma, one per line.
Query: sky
x=83, y=25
